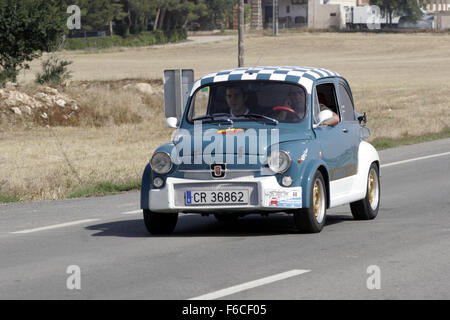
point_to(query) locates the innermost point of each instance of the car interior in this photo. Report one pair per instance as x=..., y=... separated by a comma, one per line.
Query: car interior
x=265, y=98
x=327, y=95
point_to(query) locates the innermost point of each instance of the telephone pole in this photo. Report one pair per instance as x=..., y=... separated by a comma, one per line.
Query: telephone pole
x=275, y=17
x=241, y=34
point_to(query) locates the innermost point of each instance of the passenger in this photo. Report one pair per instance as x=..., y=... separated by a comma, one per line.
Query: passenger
x=323, y=106
x=236, y=100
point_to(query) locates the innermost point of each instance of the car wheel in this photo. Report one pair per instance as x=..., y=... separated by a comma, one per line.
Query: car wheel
x=367, y=208
x=226, y=217
x=313, y=219
x=160, y=223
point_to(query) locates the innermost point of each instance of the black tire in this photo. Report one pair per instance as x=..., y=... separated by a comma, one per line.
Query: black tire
x=312, y=219
x=160, y=223
x=367, y=208
x=226, y=217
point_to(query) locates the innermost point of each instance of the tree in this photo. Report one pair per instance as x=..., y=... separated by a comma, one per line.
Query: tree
x=407, y=8
x=178, y=13
x=27, y=28
x=216, y=13
x=410, y=9
x=141, y=12
x=98, y=14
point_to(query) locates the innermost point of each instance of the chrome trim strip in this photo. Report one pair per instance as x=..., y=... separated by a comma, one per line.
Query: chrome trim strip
x=226, y=170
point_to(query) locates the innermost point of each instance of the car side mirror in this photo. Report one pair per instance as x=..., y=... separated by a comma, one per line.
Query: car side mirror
x=172, y=122
x=324, y=116
x=362, y=118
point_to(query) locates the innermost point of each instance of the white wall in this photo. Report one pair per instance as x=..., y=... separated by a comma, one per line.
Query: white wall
x=323, y=16
x=341, y=2
x=296, y=10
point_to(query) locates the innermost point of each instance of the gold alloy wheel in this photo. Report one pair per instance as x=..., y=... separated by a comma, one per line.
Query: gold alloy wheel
x=316, y=198
x=319, y=200
x=371, y=187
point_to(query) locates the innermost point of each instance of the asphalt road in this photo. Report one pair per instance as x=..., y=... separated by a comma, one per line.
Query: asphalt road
x=256, y=258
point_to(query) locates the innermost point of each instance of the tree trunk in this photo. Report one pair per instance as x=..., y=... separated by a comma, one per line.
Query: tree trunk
x=111, y=31
x=162, y=17
x=155, y=24
x=129, y=18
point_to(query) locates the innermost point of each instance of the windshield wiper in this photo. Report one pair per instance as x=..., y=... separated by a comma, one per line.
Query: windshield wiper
x=214, y=117
x=257, y=117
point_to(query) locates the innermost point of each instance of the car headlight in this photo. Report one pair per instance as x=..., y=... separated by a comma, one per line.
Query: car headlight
x=161, y=162
x=279, y=161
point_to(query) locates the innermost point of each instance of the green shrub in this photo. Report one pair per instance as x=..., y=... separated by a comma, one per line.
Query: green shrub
x=54, y=71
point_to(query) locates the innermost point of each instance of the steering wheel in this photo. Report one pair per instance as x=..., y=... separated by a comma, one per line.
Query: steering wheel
x=284, y=108
x=291, y=111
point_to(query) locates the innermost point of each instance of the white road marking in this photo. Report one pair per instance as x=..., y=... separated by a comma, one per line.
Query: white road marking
x=55, y=226
x=132, y=212
x=415, y=159
x=250, y=285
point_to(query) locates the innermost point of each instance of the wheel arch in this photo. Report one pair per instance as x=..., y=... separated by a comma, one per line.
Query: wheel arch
x=306, y=185
x=146, y=186
x=367, y=155
x=326, y=179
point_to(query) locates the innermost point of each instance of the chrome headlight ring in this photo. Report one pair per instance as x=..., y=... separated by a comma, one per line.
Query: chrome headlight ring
x=279, y=161
x=161, y=162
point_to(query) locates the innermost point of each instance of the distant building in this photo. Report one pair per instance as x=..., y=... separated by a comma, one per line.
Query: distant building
x=324, y=14
x=318, y=14
x=441, y=11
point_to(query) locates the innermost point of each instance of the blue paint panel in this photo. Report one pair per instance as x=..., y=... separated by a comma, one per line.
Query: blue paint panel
x=281, y=71
x=263, y=76
x=207, y=80
x=235, y=77
x=290, y=78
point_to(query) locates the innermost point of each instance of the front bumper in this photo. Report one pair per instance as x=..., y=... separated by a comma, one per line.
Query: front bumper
x=265, y=194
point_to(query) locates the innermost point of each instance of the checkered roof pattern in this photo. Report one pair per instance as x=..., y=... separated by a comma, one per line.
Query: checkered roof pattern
x=305, y=76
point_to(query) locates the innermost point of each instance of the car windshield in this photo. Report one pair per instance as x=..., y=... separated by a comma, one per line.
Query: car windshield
x=261, y=101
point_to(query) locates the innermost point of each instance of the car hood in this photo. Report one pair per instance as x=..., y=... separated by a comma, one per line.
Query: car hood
x=236, y=139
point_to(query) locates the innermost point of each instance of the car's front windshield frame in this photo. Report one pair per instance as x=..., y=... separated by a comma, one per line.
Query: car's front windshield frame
x=249, y=116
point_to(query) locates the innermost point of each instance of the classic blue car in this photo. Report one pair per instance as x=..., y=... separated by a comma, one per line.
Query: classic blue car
x=263, y=140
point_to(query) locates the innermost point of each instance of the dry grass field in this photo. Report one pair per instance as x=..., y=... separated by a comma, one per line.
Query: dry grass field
x=402, y=81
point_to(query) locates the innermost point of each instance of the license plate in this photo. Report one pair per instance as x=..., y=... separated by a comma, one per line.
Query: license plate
x=216, y=197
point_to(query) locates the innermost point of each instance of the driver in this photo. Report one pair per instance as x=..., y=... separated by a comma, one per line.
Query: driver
x=293, y=108
x=236, y=100
x=296, y=100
